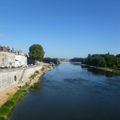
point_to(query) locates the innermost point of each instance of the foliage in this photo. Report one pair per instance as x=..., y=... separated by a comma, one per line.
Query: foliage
x=34, y=75
x=52, y=60
x=103, y=60
x=77, y=59
x=118, y=55
x=96, y=60
x=36, y=52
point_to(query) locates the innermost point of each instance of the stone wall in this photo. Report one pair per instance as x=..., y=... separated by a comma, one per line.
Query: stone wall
x=12, y=77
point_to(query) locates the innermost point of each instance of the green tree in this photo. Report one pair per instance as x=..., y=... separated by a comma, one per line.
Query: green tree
x=118, y=55
x=36, y=52
x=111, y=61
x=99, y=61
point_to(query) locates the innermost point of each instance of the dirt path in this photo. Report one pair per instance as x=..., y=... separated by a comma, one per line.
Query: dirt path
x=7, y=95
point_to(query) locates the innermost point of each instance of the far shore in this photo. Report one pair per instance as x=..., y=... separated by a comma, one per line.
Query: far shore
x=117, y=72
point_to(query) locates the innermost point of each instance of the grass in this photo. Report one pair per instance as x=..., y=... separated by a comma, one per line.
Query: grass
x=8, y=107
x=34, y=75
x=111, y=70
x=114, y=71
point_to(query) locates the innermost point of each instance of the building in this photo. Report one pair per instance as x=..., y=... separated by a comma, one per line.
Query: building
x=12, y=58
x=4, y=49
x=7, y=59
x=20, y=60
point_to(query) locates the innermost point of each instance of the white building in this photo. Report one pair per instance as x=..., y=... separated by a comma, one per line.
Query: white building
x=7, y=59
x=20, y=60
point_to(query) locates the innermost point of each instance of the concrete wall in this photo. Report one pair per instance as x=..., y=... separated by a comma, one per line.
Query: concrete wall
x=11, y=77
x=30, y=71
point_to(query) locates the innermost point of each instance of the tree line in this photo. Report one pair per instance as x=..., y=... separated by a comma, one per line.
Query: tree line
x=100, y=60
x=51, y=60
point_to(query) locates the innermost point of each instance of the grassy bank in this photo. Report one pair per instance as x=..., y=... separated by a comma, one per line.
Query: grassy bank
x=8, y=107
x=105, y=69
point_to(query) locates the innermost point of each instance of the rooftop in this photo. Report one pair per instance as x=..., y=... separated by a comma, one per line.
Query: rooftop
x=11, y=50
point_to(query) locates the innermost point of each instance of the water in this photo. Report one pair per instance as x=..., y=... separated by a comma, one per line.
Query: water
x=70, y=92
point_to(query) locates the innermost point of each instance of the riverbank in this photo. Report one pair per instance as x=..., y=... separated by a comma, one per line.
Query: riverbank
x=8, y=107
x=70, y=92
x=109, y=70
x=9, y=98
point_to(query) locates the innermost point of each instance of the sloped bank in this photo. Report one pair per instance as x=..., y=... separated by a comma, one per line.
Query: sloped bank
x=12, y=79
x=8, y=107
x=114, y=72
x=21, y=91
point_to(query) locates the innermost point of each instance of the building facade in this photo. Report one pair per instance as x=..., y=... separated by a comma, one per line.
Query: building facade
x=20, y=60
x=7, y=59
x=10, y=58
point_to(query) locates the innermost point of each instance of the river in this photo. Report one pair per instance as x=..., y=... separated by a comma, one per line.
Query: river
x=70, y=92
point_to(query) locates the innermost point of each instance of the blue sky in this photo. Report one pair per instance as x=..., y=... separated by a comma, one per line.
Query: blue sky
x=65, y=28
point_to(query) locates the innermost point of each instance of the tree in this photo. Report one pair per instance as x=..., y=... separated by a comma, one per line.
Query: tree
x=96, y=60
x=36, y=52
x=111, y=61
x=99, y=61
x=77, y=59
x=52, y=60
x=118, y=55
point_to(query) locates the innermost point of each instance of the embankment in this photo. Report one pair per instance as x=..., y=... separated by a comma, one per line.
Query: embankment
x=104, y=69
x=12, y=79
x=15, y=83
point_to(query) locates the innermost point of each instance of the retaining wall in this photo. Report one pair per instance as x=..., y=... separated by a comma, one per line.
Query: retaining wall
x=12, y=77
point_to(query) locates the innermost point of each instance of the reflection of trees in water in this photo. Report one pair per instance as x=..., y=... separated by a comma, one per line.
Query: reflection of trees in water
x=37, y=87
x=78, y=64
